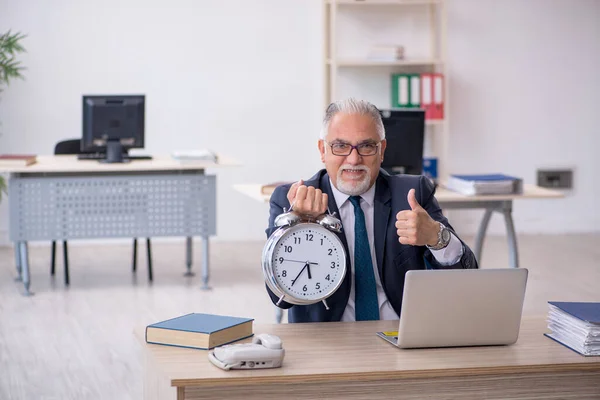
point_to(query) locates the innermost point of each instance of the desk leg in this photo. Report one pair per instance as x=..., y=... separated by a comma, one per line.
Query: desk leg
x=481, y=234
x=205, y=258
x=188, y=257
x=18, y=263
x=24, y=256
x=513, y=253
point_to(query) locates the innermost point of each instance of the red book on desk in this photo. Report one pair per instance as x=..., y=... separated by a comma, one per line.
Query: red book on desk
x=17, y=160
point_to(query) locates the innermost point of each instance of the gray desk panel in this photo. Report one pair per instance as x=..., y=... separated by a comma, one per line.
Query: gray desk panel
x=77, y=206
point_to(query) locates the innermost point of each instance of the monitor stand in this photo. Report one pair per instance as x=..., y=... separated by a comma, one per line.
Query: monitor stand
x=114, y=152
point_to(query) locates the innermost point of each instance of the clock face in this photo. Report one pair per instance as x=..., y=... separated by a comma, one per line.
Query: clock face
x=308, y=262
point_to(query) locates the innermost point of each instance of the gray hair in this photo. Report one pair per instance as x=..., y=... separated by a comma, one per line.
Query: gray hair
x=353, y=106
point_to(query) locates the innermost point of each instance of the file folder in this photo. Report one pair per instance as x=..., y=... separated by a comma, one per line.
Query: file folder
x=438, y=96
x=427, y=95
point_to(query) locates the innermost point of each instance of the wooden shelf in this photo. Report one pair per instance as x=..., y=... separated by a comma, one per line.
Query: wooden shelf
x=382, y=2
x=375, y=63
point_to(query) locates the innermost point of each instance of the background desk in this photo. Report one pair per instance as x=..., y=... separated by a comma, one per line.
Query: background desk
x=62, y=198
x=452, y=200
x=347, y=360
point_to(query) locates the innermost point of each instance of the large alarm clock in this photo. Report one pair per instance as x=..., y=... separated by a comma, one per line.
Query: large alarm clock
x=304, y=261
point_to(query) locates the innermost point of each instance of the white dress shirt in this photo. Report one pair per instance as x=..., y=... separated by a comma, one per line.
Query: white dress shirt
x=446, y=256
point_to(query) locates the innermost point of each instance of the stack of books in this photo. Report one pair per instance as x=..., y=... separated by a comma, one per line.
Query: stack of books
x=472, y=185
x=576, y=326
x=386, y=53
x=17, y=160
x=269, y=188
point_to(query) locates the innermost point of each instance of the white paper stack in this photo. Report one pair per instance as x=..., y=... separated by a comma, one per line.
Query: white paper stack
x=471, y=185
x=194, y=155
x=386, y=53
x=576, y=326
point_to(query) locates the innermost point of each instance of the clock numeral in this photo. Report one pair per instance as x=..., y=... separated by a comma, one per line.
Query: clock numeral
x=329, y=252
x=333, y=264
x=304, y=289
x=287, y=249
x=309, y=237
x=297, y=240
x=321, y=242
x=284, y=273
x=327, y=277
x=281, y=259
x=318, y=286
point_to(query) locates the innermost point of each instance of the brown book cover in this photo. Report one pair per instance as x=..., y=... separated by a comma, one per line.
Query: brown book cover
x=17, y=160
x=269, y=188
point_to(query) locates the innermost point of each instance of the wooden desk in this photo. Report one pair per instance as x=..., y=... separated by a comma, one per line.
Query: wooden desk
x=347, y=360
x=61, y=197
x=452, y=200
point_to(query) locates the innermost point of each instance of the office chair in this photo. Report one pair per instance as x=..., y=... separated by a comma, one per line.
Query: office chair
x=73, y=146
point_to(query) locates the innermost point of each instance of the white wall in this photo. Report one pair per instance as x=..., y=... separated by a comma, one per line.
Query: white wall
x=524, y=95
x=245, y=78
x=240, y=77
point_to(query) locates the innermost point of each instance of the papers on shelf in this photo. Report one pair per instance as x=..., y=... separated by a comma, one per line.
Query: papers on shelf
x=386, y=53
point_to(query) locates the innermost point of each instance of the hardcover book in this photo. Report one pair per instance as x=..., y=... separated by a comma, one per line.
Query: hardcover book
x=199, y=331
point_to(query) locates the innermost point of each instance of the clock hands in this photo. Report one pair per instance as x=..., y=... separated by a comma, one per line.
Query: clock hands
x=307, y=266
x=299, y=273
x=303, y=262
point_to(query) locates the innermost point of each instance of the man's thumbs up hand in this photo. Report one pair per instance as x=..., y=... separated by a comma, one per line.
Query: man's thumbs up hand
x=415, y=226
x=412, y=201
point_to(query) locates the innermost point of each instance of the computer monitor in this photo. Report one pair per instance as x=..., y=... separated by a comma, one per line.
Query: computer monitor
x=112, y=125
x=405, y=135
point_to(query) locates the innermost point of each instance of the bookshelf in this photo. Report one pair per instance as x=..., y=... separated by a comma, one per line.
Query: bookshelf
x=351, y=27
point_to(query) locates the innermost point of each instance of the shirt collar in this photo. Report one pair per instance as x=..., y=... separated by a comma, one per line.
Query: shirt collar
x=341, y=198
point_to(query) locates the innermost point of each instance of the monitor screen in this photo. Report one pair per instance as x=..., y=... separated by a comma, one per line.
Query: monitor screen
x=405, y=136
x=114, y=120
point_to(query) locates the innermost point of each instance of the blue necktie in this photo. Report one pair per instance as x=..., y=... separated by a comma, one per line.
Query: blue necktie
x=365, y=299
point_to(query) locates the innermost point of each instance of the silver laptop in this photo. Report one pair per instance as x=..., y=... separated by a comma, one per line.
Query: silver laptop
x=460, y=307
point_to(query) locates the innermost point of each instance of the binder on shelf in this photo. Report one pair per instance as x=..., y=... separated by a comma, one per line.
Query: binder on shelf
x=427, y=95
x=438, y=96
x=415, y=91
x=406, y=92
x=400, y=91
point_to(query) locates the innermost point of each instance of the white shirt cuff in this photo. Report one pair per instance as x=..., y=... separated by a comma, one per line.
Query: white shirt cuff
x=450, y=254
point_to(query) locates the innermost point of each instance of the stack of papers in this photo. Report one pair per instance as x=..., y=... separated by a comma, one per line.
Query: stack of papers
x=576, y=326
x=195, y=155
x=386, y=53
x=471, y=185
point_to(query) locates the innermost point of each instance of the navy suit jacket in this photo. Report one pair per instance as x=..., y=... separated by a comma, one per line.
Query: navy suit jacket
x=393, y=258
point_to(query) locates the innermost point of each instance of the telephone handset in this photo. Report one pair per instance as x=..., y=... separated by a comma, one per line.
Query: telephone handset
x=265, y=351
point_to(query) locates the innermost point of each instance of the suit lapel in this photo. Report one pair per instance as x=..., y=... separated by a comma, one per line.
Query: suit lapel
x=382, y=211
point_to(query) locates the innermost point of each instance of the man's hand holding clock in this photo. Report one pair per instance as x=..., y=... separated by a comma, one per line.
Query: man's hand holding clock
x=306, y=236
x=415, y=227
x=307, y=200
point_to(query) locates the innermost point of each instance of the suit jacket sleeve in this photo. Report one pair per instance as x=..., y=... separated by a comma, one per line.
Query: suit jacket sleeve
x=430, y=204
x=276, y=204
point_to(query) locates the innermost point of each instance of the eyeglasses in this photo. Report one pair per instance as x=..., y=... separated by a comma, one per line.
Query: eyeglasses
x=345, y=149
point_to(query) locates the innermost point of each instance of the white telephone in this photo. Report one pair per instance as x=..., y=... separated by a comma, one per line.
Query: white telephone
x=265, y=351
